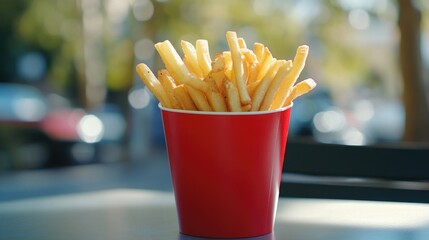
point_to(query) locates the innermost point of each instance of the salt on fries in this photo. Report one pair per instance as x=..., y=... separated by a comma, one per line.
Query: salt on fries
x=237, y=80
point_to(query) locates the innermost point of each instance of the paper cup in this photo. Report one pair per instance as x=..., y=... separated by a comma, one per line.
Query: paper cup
x=226, y=170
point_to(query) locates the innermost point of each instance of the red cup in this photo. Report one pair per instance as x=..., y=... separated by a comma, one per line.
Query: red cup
x=226, y=170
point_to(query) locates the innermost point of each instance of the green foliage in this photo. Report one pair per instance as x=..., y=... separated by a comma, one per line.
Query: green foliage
x=341, y=57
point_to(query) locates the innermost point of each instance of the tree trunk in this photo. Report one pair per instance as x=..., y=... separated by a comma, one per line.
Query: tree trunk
x=415, y=93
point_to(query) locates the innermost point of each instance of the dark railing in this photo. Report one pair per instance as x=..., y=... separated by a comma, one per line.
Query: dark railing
x=382, y=172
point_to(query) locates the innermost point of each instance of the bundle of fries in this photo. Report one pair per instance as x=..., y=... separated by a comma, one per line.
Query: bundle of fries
x=237, y=80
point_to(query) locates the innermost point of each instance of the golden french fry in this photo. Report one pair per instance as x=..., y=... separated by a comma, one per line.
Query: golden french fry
x=259, y=49
x=274, y=85
x=252, y=66
x=217, y=74
x=261, y=89
x=232, y=79
x=215, y=80
x=251, y=88
x=172, y=60
x=265, y=64
x=168, y=84
x=237, y=66
x=245, y=73
x=228, y=64
x=217, y=101
x=246, y=108
x=188, y=65
x=241, y=42
x=182, y=96
x=289, y=81
x=203, y=56
x=232, y=96
x=300, y=89
x=191, y=55
x=151, y=82
x=199, y=99
x=218, y=65
x=227, y=58
x=215, y=77
x=177, y=68
x=249, y=55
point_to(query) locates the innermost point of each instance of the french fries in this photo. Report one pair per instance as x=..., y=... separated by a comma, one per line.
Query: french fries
x=184, y=98
x=263, y=85
x=237, y=80
x=237, y=65
x=289, y=81
x=153, y=84
x=191, y=58
x=203, y=56
x=168, y=83
x=300, y=89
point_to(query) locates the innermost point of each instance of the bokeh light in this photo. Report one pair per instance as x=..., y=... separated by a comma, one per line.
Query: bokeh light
x=143, y=10
x=329, y=121
x=117, y=10
x=90, y=129
x=32, y=66
x=144, y=49
x=29, y=109
x=359, y=19
x=139, y=98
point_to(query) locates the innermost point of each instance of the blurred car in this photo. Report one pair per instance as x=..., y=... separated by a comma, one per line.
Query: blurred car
x=34, y=134
x=368, y=119
x=304, y=110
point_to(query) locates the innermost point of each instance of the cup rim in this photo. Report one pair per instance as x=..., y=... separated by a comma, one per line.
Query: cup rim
x=224, y=113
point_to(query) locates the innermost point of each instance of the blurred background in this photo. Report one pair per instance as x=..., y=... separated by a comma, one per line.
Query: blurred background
x=69, y=94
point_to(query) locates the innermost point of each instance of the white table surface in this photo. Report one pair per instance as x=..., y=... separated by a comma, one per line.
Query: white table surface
x=143, y=214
